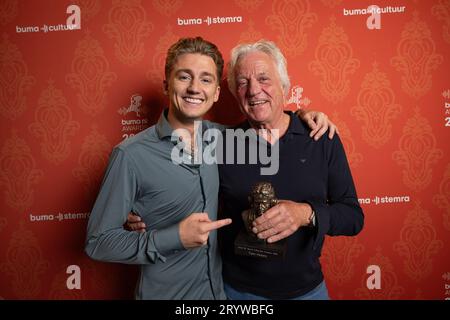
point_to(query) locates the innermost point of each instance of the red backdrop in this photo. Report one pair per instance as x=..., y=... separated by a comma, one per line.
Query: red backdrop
x=67, y=96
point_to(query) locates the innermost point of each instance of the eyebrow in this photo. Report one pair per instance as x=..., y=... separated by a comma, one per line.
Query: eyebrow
x=204, y=73
x=262, y=73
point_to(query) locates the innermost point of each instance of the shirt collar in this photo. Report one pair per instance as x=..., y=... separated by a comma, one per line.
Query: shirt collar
x=295, y=124
x=163, y=127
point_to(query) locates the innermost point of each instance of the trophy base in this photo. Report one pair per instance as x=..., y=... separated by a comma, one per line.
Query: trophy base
x=247, y=245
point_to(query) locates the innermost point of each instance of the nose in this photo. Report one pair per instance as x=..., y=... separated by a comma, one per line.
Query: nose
x=193, y=86
x=254, y=87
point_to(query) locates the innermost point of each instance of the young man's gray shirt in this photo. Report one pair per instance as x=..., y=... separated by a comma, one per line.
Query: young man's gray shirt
x=141, y=177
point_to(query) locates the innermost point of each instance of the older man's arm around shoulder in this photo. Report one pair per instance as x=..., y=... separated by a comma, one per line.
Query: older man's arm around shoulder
x=318, y=122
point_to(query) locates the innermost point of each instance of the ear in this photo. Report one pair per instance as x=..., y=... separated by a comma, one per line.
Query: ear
x=216, y=94
x=165, y=87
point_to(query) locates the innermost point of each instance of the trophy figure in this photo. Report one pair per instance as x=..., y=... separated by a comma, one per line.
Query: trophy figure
x=261, y=199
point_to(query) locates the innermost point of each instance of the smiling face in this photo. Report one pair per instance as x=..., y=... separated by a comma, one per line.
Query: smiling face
x=192, y=87
x=259, y=89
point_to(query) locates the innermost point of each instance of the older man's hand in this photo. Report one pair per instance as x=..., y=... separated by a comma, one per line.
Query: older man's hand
x=134, y=223
x=282, y=220
x=319, y=123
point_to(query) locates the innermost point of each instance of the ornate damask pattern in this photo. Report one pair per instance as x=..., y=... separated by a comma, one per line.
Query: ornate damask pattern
x=156, y=72
x=3, y=223
x=167, y=7
x=249, y=5
x=331, y=3
x=92, y=161
x=334, y=62
x=416, y=58
x=291, y=19
x=14, y=80
x=250, y=35
x=24, y=264
x=89, y=8
x=417, y=152
x=99, y=278
x=376, y=108
x=418, y=243
x=338, y=257
x=442, y=12
x=90, y=75
x=53, y=124
x=18, y=173
x=442, y=199
x=354, y=158
x=8, y=11
x=128, y=26
x=390, y=288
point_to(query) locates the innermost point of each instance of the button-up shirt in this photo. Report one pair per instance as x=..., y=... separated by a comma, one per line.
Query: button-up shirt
x=141, y=177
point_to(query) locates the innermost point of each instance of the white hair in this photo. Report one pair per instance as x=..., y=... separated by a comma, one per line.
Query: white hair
x=269, y=48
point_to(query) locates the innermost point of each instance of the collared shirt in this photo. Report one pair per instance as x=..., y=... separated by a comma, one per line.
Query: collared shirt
x=141, y=177
x=315, y=172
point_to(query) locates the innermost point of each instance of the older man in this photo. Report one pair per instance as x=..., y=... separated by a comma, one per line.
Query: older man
x=178, y=253
x=314, y=182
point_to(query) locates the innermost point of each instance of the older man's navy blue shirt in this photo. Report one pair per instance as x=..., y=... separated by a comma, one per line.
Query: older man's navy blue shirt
x=310, y=171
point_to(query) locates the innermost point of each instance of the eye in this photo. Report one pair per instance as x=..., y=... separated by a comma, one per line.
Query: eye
x=207, y=80
x=184, y=77
x=263, y=79
x=242, y=83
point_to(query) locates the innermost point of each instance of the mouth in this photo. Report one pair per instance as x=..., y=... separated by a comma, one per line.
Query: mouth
x=256, y=103
x=192, y=100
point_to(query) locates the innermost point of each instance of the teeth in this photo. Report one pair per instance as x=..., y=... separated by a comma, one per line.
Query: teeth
x=193, y=100
x=256, y=103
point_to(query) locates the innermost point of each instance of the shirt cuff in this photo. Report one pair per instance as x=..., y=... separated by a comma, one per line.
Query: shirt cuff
x=322, y=223
x=167, y=241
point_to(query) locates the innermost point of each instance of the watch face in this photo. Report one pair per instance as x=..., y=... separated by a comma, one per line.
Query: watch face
x=312, y=219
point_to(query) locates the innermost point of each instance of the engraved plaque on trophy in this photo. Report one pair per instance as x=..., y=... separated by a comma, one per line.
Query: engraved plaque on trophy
x=261, y=199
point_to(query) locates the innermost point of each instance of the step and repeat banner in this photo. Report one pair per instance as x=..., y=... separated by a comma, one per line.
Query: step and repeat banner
x=78, y=77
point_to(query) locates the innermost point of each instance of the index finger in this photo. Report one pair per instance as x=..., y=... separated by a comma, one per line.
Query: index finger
x=213, y=225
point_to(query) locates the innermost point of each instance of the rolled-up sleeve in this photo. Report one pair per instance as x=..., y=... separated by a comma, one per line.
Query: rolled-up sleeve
x=106, y=239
